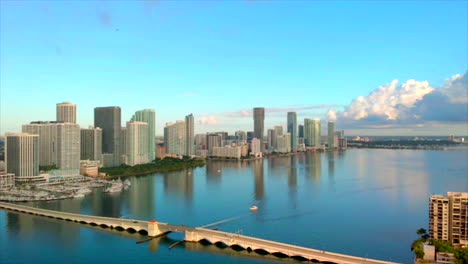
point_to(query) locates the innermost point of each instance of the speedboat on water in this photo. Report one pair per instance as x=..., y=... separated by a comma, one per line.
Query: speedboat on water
x=254, y=208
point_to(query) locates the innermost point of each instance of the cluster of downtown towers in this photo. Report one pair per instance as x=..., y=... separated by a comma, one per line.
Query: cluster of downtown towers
x=62, y=143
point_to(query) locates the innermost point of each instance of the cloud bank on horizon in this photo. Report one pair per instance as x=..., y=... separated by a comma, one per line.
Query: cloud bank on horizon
x=411, y=103
x=414, y=105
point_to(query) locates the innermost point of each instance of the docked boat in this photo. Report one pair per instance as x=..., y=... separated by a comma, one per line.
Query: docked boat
x=254, y=208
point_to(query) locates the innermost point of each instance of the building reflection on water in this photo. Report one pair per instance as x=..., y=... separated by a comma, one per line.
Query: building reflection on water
x=24, y=225
x=313, y=166
x=141, y=199
x=179, y=183
x=259, y=188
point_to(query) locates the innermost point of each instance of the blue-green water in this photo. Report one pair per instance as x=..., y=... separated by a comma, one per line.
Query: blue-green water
x=363, y=202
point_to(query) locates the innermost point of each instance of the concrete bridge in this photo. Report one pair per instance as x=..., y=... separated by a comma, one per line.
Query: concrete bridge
x=197, y=234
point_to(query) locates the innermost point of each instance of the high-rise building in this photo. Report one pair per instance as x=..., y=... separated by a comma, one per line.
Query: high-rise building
x=279, y=130
x=448, y=217
x=148, y=116
x=292, y=129
x=66, y=112
x=22, y=155
x=123, y=141
x=316, y=133
x=259, y=118
x=59, y=145
x=109, y=120
x=174, y=138
x=137, y=143
x=91, y=143
x=330, y=135
x=308, y=132
x=271, y=138
x=301, y=131
x=213, y=140
x=256, y=147
x=189, y=135
x=241, y=135
x=200, y=140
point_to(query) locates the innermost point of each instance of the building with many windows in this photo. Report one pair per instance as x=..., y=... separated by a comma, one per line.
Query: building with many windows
x=331, y=135
x=109, y=120
x=66, y=112
x=189, y=135
x=259, y=119
x=91, y=143
x=22, y=156
x=137, y=143
x=59, y=145
x=448, y=217
x=292, y=129
x=149, y=117
x=174, y=138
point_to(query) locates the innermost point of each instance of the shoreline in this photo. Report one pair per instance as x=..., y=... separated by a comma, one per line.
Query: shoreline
x=148, y=172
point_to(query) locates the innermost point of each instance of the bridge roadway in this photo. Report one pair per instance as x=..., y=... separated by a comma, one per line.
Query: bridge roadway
x=196, y=234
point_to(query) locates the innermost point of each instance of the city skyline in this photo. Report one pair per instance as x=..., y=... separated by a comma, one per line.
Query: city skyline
x=335, y=64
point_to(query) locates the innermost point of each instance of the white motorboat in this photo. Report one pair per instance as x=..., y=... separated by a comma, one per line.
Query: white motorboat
x=254, y=208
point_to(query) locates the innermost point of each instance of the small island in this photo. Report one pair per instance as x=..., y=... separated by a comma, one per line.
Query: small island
x=158, y=165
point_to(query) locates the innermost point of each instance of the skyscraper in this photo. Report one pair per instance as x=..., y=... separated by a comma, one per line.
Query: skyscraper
x=301, y=131
x=137, y=143
x=213, y=140
x=259, y=118
x=308, y=132
x=330, y=135
x=22, y=155
x=316, y=133
x=148, y=116
x=59, y=145
x=189, y=135
x=123, y=141
x=66, y=112
x=91, y=143
x=271, y=138
x=109, y=120
x=292, y=129
x=174, y=138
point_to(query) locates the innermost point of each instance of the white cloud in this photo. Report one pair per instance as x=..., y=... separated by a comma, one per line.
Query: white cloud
x=209, y=120
x=331, y=114
x=387, y=99
x=413, y=102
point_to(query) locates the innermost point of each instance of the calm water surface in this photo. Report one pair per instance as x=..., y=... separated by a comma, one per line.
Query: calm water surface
x=364, y=202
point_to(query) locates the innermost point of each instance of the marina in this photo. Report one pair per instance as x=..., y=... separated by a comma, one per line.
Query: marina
x=61, y=190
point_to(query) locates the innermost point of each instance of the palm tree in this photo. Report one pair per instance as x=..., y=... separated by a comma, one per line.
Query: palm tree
x=421, y=231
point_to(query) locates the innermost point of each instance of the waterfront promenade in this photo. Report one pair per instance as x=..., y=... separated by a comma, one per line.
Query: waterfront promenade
x=197, y=234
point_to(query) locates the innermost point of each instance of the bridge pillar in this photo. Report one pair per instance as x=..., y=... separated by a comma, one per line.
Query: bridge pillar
x=191, y=236
x=153, y=228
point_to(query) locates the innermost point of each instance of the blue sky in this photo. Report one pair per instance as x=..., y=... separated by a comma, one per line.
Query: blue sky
x=313, y=56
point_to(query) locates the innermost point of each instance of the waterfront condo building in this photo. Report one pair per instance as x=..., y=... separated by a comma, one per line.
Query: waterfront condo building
x=331, y=135
x=91, y=143
x=66, y=112
x=148, y=116
x=109, y=120
x=259, y=118
x=189, y=135
x=22, y=156
x=213, y=140
x=137, y=143
x=292, y=129
x=59, y=145
x=448, y=217
x=174, y=138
